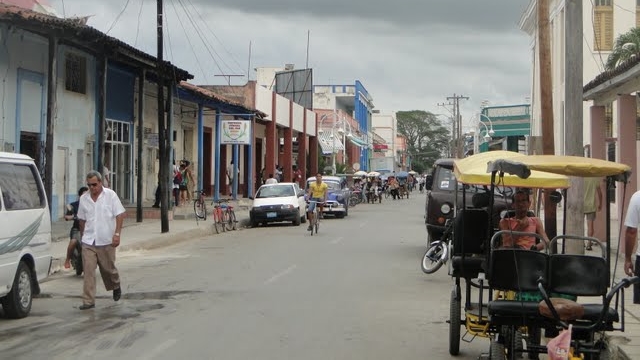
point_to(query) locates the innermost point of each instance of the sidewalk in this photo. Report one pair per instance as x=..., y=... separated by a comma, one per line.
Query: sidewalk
x=147, y=234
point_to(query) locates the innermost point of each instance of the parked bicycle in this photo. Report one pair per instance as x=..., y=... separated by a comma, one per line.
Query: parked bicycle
x=315, y=224
x=199, y=205
x=224, y=218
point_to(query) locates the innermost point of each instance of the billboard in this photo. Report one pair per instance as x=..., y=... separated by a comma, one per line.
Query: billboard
x=236, y=132
x=296, y=85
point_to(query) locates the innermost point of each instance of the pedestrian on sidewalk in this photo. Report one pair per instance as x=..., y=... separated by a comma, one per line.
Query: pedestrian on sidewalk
x=101, y=215
x=630, y=239
x=271, y=180
x=592, y=203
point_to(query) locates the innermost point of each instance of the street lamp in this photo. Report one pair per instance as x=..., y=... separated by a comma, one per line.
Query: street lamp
x=343, y=131
x=489, y=133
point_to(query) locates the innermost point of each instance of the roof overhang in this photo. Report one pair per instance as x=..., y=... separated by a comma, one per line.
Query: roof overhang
x=624, y=83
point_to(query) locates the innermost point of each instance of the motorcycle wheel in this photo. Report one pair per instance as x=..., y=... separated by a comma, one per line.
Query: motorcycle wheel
x=434, y=257
x=77, y=262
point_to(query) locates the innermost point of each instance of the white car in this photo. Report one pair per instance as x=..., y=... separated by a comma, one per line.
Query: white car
x=277, y=203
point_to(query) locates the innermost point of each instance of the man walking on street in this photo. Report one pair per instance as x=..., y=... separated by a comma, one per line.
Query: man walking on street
x=101, y=215
x=592, y=203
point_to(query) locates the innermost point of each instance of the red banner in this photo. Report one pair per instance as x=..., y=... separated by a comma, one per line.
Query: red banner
x=380, y=147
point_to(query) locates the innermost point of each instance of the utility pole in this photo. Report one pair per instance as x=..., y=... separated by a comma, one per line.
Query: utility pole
x=163, y=175
x=457, y=119
x=453, y=128
x=573, y=119
x=546, y=105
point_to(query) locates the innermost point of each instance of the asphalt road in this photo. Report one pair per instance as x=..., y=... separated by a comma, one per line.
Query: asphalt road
x=354, y=291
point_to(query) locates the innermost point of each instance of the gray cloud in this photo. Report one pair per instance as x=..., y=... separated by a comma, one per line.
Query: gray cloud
x=408, y=54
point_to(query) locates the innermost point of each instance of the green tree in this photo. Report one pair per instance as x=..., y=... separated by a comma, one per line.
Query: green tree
x=427, y=138
x=627, y=46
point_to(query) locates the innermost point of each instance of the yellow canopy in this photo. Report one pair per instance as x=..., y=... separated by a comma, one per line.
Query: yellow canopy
x=473, y=170
x=564, y=165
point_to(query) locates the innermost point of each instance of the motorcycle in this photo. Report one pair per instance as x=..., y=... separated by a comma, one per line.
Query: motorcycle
x=76, y=256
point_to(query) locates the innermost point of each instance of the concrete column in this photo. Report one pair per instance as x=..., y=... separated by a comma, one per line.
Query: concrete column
x=313, y=155
x=287, y=157
x=599, y=151
x=626, y=147
x=302, y=150
x=271, y=141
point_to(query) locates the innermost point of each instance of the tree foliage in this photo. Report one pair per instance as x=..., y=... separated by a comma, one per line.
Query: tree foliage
x=627, y=46
x=427, y=139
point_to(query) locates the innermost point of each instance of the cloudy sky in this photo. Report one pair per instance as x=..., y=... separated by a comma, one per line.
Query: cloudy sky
x=409, y=54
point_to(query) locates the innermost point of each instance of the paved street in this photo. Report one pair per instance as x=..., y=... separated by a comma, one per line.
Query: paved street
x=355, y=291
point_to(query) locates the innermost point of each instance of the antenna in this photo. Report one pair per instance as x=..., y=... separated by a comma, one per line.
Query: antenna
x=308, y=38
x=249, y=65
x=228, y=77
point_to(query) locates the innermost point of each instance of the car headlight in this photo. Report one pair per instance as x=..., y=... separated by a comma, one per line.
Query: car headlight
x=285, y=207
x=445, y=208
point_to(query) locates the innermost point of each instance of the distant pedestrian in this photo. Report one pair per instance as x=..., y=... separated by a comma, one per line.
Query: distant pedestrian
x=101, y=215
x=271, y=180
x=592, y=203
x=231, y=176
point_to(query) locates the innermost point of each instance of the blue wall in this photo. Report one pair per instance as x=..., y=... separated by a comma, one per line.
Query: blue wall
x=120, y=88
x=363, y=117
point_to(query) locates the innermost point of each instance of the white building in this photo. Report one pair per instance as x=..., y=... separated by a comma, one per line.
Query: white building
x=603, y=21
x=386, y=125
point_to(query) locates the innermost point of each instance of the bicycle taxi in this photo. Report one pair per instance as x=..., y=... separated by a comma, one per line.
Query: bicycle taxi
x=518, y=290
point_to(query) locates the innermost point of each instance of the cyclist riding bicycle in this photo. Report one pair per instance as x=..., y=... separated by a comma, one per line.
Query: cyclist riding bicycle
x=317, y=194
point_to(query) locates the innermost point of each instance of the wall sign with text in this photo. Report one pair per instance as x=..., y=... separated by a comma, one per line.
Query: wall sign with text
x=236, y=132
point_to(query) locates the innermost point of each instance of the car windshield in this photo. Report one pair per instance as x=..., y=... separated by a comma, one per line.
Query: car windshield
x=275, y=191
x=333, y=185
x=446, y=180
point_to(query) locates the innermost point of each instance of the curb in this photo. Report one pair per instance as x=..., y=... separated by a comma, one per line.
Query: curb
x=163, y=240
x=614, y=349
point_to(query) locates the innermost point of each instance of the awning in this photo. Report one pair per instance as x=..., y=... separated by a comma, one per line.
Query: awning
x=358, y=141
x=330, y=144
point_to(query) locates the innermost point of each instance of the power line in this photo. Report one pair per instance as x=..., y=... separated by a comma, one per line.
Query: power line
x=138, y=28
x=118, y=17
x=193, y=50
x=215, y=36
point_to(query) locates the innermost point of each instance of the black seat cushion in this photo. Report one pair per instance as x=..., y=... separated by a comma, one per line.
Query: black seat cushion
x=513, y=308
x=592, y=312
x=467, y=266
x=578, y=275
x=517, y=269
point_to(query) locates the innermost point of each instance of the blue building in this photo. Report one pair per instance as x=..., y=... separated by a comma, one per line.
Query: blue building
x=353, y=99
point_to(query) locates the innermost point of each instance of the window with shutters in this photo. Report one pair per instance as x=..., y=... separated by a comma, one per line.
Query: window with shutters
x=603, y=25
x=637, y=13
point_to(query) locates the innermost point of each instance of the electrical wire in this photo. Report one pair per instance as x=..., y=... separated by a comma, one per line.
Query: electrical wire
x=118, y=17
x=212, y=52
x=138, y=25
x=215, y=36
x=193, y=50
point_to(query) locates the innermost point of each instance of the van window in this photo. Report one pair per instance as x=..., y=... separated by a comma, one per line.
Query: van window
x=20, y=187
x=445, y=180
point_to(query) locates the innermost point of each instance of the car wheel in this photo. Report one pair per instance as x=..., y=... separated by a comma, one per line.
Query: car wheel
x=17, y=303
x=297, y=220
x=340, y=215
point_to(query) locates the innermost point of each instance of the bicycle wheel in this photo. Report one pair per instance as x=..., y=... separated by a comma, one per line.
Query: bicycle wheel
x=200, y=209
x=434, y=257
x=317, y=221
x=230, y=219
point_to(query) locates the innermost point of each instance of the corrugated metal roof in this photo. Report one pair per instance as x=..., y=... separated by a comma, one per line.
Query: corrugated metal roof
x=75, y=30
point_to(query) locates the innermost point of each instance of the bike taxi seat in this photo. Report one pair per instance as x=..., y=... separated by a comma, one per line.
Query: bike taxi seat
x=470, y=233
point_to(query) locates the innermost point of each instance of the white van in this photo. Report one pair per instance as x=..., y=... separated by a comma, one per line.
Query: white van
x=25, y=234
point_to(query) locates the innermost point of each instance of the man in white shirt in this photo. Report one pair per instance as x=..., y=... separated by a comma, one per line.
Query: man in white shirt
x=231, y=176
x=101, y=215
x=631, y=223
x=271, y=180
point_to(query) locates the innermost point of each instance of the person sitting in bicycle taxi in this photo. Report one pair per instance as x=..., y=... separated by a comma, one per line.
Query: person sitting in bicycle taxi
x=316, y=196
x=522, y=222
